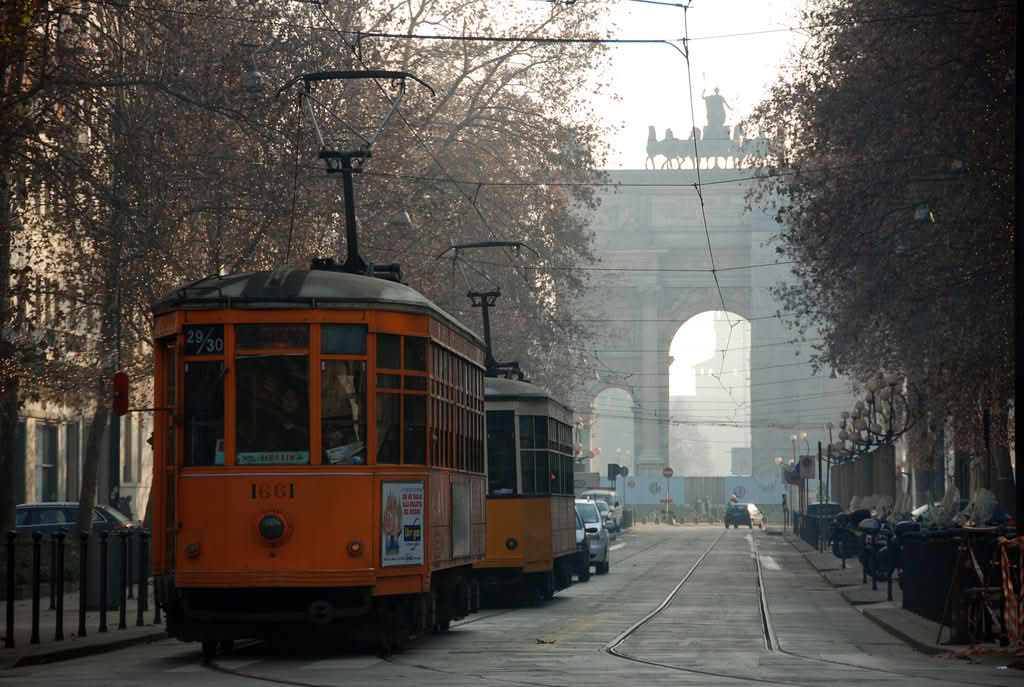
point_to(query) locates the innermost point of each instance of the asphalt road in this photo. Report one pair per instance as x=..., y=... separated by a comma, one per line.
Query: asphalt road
x=681, y=605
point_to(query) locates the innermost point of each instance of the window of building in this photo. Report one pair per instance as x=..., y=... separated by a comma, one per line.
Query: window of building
x=46, y=462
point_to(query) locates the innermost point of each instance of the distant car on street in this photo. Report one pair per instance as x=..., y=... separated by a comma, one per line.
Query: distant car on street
x=597, y=535
x=736, y=514
x=581, y=566
x=756, y=517
x=51, y=517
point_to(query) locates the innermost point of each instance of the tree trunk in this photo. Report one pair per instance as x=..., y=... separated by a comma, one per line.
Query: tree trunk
x=1002, y=484
x=91, y=462
x=100, y=422
x=8, y=385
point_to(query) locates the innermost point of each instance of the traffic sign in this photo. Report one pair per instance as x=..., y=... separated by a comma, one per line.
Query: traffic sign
x=739, y=492
x=667, y=472
x=632, y=484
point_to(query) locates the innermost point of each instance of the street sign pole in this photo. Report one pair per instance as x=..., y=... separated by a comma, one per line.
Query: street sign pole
x=667, y=472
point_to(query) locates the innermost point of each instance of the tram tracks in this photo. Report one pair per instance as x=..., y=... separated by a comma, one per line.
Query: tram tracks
x=616, y=649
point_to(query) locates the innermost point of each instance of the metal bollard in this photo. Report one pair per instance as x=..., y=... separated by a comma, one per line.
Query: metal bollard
x=58, y=538
x=9, y=634
x=156, y=602
x=122, y=616
x=888, y=592
x=103, y=581
x=140, y=606
x=131, y=568
x=83, y=579
x=36, y=540
x=53, y=573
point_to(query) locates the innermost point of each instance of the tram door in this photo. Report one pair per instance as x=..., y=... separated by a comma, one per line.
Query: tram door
x=168, y=436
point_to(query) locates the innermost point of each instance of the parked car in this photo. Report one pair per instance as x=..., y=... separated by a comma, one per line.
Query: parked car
x=756, y=517
x=581, y=564
x=606, y=515
x=609, y=497
x=736, y=514
x=51, y=517
x=597, y=535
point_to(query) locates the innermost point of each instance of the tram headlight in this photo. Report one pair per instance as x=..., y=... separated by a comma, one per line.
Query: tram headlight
x=271, y=527
x=511, y=543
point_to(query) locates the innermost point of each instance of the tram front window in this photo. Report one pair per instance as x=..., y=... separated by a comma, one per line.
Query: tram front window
x=204, y=413
x=273, y=410
x=501, y=453
x=343, y=404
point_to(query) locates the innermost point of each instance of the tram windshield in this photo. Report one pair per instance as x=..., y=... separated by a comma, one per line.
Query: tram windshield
x=343, y=404
x=273, y=410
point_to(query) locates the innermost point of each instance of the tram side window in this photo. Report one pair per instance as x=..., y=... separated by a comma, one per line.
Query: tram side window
x=204, y=413
x=501, y=453
x=528, y=472
x=415, y=430
x=273, y=410
x=543, y=472
x=389, y=417
x=343, y=412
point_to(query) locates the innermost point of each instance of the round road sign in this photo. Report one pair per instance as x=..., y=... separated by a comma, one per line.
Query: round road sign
x=667, y=472
x=740, y=492
x=632, y=484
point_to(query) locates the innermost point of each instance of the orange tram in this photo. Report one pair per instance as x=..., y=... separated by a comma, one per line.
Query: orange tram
x=321, y=464
x=531, y=512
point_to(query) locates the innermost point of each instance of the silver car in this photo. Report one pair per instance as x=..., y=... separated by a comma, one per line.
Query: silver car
x=596, y=533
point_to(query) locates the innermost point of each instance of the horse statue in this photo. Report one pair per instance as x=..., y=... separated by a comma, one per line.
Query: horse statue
x=715, y=143
x=671, y=148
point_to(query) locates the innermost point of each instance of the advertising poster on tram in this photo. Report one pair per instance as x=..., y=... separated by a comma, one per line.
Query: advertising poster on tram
x=401, y=521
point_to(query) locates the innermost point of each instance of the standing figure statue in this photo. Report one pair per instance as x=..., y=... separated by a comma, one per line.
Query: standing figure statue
x=716, y=106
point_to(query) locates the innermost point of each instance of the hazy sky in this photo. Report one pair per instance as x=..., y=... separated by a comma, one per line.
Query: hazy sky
x=652, y=79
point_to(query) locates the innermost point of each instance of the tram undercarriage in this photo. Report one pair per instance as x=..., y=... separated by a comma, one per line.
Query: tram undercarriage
x=216, y=617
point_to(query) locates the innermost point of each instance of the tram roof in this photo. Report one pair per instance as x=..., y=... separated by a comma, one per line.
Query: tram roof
x=499, y=388
x=288, y=288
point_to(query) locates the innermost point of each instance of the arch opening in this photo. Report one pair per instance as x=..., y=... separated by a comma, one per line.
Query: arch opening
x=709, y=396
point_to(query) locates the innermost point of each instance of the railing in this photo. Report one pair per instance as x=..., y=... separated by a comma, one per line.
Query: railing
x=126, y=573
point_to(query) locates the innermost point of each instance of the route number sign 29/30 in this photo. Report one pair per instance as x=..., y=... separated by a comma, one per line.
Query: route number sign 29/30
x=204, y=339
x=667, y=472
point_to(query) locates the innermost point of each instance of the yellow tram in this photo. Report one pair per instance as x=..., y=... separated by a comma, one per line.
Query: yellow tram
x=321, y=464
x=531, y=517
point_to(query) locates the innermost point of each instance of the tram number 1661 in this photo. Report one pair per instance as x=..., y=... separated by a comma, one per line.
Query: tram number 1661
x=278, y=490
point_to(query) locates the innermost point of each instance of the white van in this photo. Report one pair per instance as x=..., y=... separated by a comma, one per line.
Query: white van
x=608, y=496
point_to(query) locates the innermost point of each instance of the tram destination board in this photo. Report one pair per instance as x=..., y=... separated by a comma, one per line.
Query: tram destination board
x=204, y=339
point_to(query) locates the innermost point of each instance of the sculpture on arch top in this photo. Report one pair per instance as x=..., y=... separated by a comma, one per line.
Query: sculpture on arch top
x=740, y=149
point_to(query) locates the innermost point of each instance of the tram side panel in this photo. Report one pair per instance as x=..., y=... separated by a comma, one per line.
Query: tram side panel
x=273, y=530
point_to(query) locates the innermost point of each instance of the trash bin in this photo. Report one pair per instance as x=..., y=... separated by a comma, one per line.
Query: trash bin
x=92, y=589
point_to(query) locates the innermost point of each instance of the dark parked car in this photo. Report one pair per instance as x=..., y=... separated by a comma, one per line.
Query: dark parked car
x=54, y=516
x=736, y=514
x=582, y=562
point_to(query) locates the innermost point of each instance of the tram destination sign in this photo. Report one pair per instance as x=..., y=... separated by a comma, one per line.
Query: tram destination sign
x=204, y=339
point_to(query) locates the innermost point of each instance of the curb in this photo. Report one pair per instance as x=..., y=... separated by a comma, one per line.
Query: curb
x=864, y=610
x=92, y=649
x=917, y=645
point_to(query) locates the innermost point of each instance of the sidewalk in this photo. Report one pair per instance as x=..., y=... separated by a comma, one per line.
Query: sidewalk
x=917, y=631
x=72, y=646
